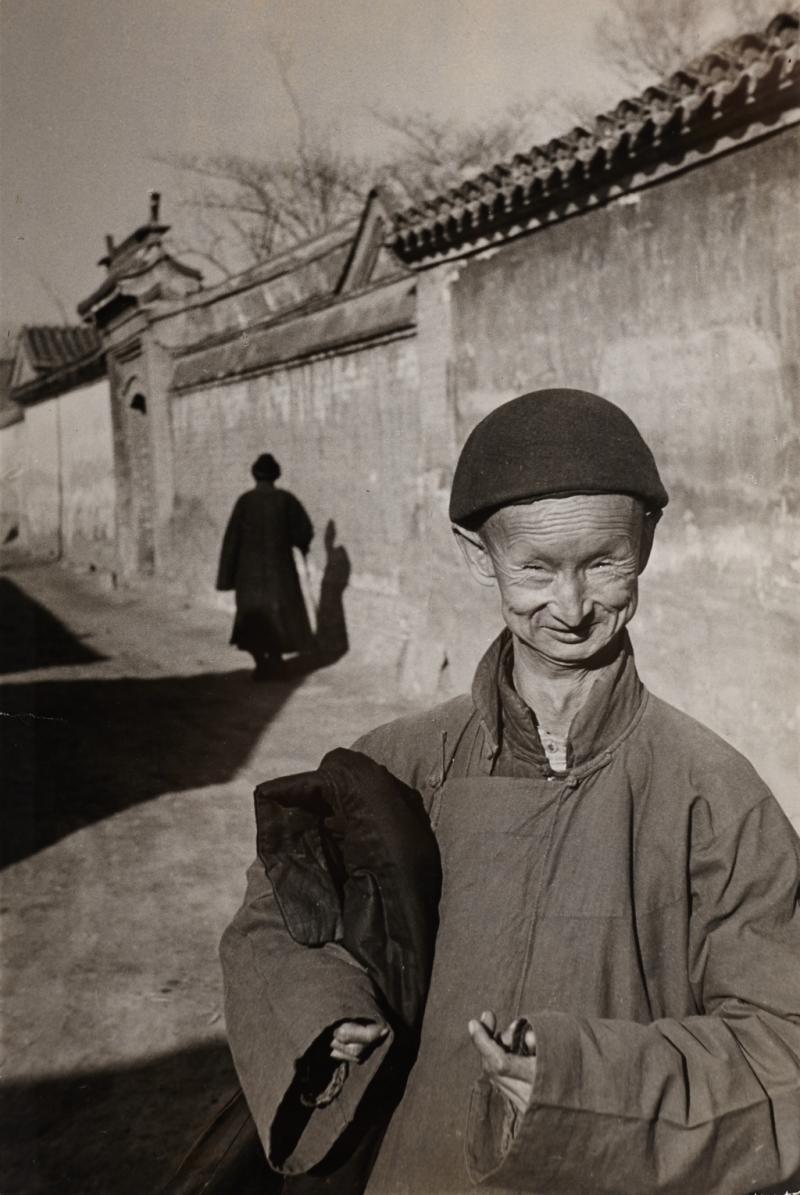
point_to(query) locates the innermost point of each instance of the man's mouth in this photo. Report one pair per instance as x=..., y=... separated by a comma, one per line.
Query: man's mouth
x=571, y=634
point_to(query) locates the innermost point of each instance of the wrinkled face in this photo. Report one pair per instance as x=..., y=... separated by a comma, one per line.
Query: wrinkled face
x=567, y=570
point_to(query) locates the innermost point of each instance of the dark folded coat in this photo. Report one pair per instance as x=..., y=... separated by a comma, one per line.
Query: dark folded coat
x=352, y=860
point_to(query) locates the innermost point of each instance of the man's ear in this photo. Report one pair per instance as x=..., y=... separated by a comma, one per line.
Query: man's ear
x=649, y=524
x=476, y=554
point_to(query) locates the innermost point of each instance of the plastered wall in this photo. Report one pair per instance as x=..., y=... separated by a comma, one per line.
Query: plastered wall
x=345, y=430
x=87, y=467
x=68, y=490
x=41, y=492
x=680, y=303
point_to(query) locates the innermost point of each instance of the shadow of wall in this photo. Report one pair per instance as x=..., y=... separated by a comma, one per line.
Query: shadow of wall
x=31, y=637
x=77, y=751
x=116, y=1131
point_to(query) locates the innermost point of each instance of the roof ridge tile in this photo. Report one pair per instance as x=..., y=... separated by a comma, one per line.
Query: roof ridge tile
x=740, y=76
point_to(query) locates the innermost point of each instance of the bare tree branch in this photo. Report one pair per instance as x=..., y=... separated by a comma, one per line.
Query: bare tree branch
x=643, y=40
x=239, y=210
x=282, y=57
x=260, y=207
x=54, y=297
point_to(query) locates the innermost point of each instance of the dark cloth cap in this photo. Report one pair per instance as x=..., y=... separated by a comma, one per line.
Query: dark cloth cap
x=266, y=468
x=550, y=443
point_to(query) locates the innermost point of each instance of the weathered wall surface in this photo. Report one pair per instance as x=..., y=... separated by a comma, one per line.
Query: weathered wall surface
x=680, y=304
x=12, y=447
x=41, y=492
x=87, y=470
x=68, y=478
x=345, y=429
x=132, y=437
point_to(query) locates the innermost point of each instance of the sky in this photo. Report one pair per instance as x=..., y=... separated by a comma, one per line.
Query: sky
x=91, y=90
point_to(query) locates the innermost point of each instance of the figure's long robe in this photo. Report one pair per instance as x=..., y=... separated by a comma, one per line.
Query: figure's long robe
x=257, y=562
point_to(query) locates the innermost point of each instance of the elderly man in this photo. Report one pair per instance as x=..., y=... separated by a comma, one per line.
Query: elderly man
x=615, y=997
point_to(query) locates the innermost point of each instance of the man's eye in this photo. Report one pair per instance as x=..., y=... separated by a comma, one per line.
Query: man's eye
x=603, y=564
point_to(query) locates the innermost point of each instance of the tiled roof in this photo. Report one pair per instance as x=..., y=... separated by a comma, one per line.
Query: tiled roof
x=60, y=358
x=315, y=248
x=140, y=261
x=386, y=310
x=50, y=347
x=283, y=285
x=744, y=80
x=130, y=261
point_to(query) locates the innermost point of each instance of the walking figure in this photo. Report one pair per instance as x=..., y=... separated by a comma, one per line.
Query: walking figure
x=257, y=562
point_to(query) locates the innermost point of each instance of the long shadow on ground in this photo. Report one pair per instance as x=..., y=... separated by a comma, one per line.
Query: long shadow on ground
x=102, y=1132
x=31, y=637
x=75, y=752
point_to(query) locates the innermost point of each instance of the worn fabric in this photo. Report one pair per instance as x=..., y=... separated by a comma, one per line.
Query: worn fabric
x=351, y=857
x=640, y=911
x=257, y=562
x=547, y=444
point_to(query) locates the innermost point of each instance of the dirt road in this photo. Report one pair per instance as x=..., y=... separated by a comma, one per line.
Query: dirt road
x=132, y=737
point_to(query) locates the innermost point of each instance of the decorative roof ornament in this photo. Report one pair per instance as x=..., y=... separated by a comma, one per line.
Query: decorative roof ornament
x=139, y=270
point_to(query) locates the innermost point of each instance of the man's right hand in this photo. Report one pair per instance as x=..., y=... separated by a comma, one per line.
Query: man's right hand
x=354, y=1041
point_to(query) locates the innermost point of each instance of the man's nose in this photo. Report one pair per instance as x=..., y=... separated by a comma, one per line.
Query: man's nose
x=569, y=602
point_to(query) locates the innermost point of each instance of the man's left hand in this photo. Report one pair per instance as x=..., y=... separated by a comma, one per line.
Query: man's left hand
x=511, y=1071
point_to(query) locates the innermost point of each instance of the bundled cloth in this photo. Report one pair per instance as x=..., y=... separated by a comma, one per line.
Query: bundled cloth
x=356, y=877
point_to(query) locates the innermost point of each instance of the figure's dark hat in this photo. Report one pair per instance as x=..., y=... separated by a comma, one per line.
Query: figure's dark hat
x=266, y=468
x=548, y=444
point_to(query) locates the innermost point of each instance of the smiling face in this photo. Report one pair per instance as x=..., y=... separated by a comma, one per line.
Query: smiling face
x=567, y=571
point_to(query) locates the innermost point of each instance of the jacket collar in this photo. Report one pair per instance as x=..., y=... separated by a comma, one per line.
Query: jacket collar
x=614, y=705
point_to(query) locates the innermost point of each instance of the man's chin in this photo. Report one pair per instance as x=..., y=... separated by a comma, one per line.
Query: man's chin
x=565, y=648
x=578, y=653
